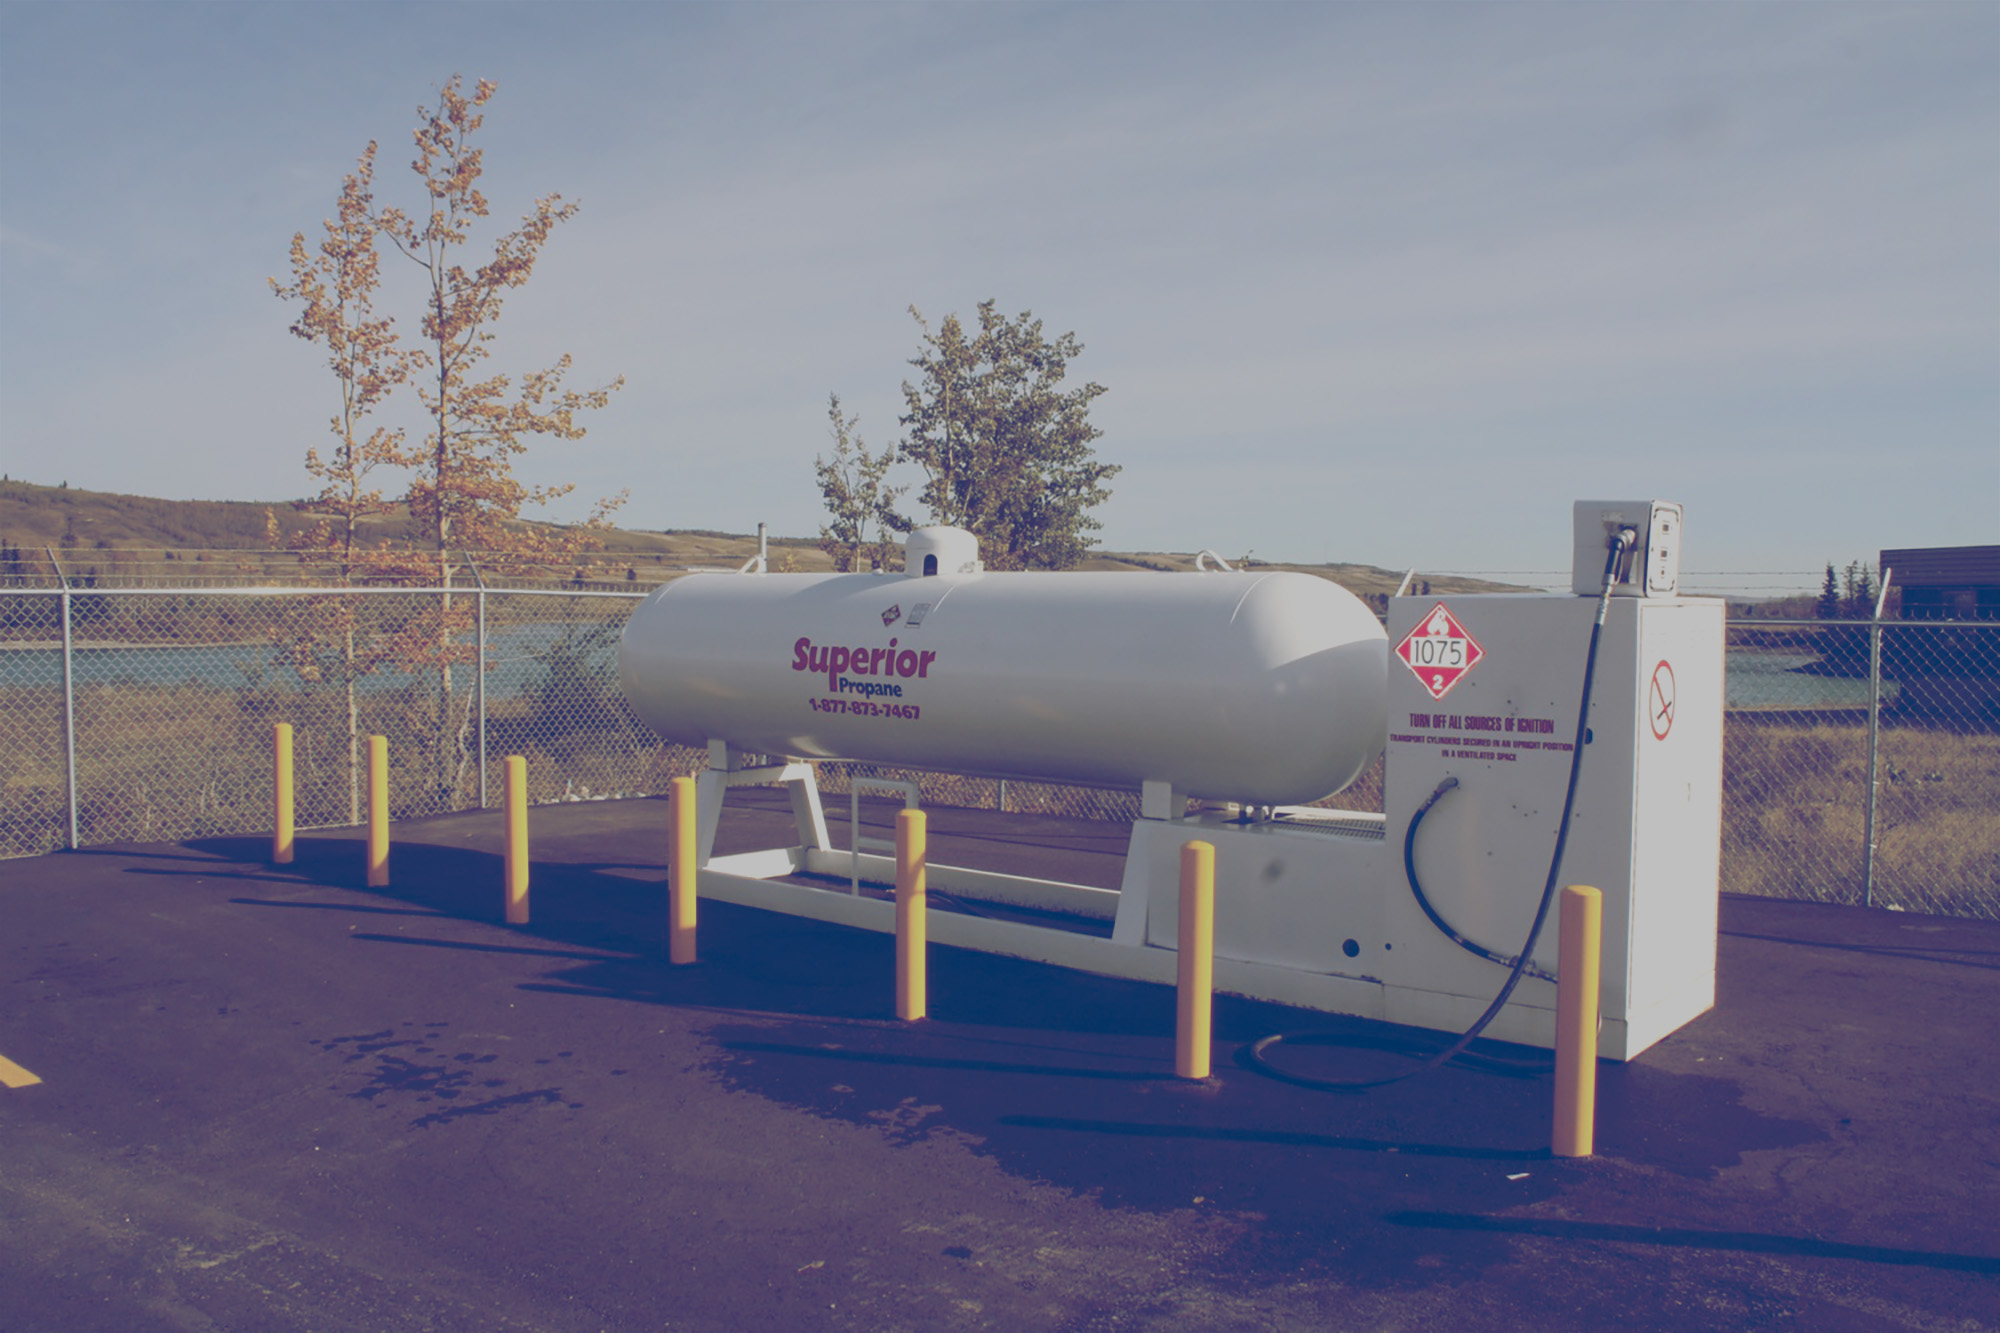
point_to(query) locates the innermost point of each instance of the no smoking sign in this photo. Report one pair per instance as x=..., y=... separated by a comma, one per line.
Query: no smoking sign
x=1439, y=651
x=1661, y=700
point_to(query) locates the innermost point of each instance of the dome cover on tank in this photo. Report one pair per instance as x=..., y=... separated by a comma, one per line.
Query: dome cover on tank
x=928, y=552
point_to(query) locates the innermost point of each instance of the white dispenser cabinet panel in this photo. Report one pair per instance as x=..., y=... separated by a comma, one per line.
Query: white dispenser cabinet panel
x=1645, y=829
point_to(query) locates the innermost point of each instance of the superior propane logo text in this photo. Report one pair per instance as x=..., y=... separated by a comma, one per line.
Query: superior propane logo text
x=835, y=661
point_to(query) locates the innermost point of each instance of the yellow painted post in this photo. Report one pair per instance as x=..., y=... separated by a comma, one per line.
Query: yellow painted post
x=683, y=881
x=912, y=985
x=283, y=810
x=1196, y=965
x=378, y=812
x=517, y=840
x=1576, y=1021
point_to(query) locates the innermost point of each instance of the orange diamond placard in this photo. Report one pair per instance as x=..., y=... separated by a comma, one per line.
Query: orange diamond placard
x=1439, y=651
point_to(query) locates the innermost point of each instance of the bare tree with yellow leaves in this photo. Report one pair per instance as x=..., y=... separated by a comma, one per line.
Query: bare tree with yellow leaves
x=334, y=284
x=462, y=491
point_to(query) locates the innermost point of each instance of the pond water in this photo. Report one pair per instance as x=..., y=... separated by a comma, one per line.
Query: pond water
x=518, y=658
x=1756, y=679
x=1773, y=680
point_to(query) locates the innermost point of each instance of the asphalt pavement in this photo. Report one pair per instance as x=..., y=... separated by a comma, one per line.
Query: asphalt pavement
x=272, y=1099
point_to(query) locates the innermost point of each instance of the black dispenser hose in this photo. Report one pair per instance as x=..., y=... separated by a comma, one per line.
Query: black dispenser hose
x=1518, y=967
x=1423, y=900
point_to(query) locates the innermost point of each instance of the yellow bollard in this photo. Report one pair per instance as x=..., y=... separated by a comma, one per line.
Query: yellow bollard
x=283, y=820
x=1195, y=971
x=912, y=986
x=378, y=812
x=683, y=882
x=1576, y=1021
x=517, y=840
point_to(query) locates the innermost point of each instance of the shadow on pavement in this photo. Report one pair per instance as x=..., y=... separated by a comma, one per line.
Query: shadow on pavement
x=1747, y=1242
x=1065, y=1078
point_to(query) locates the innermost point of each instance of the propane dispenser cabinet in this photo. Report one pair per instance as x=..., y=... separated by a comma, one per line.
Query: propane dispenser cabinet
x=1229, y=699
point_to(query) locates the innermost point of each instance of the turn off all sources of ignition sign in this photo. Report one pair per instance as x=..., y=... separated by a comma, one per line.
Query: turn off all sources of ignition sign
x=1490, y=737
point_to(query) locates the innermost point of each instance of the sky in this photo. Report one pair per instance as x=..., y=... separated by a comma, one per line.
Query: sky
x=1385, y=283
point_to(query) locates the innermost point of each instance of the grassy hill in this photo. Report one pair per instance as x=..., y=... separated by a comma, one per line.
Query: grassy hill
x=112, y=539
x=34, y=516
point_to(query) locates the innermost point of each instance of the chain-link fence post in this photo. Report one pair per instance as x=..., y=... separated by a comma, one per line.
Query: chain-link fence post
x=1874, y=736
x=69, y=699
x=480, y=679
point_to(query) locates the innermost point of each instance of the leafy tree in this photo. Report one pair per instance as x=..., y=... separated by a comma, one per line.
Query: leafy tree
x=1005, y=448
x=858, y=496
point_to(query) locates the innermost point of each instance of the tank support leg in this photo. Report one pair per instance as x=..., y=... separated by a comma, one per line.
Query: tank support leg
x=729, y=767
x=806, y=807
x=710, y=785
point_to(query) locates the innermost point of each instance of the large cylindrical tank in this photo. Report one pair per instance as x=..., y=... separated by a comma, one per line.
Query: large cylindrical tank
x=1261, y=687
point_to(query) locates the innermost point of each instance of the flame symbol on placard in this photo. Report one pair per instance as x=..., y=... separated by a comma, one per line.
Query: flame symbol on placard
x=1439, y=625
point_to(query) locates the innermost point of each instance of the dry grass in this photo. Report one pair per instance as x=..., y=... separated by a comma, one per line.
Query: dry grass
x=156, y=763
x=1794, y=822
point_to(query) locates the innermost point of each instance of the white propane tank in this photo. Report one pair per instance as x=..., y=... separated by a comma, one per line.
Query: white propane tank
x=1266, y=688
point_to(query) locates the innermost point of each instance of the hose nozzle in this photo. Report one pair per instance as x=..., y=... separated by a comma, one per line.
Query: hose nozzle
x=1621, y=542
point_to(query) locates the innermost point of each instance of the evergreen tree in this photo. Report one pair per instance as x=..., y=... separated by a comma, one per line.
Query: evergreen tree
x=1860, y=604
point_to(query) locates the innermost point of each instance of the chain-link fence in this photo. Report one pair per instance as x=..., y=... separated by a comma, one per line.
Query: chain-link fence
x=1860, y=762
x=137, y=715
